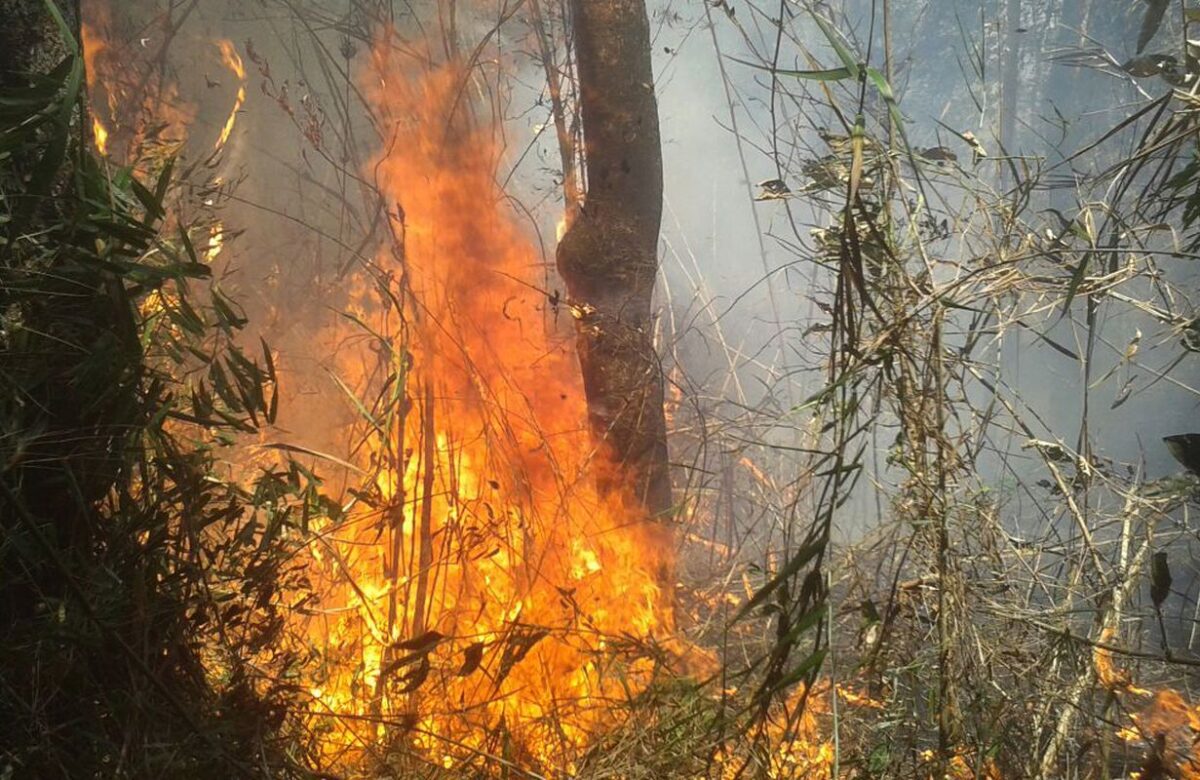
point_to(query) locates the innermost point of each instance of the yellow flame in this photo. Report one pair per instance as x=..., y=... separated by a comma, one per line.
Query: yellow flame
x=231, y=58
x=479, y=583
x=216, y=241
x=233, y=61
x=100, y=136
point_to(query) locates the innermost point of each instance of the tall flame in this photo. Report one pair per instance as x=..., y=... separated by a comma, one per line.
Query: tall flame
x=232, y=60
x=481, y=583
x=93, y=46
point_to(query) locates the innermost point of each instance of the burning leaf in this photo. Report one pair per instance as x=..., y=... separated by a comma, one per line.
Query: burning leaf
x=233, y=61
x=582, y=310
x=516, y=646
x=472, y=658
x=412, y=680
x=420, y=644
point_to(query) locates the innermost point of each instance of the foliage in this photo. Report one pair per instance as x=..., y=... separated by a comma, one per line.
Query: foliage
x=924, y=264
x=141, y=586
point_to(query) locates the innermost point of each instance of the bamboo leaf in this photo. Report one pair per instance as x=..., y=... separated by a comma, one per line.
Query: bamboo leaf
x=849, y=61
x=829, y=74
x=1151, y=21
x=806, y=622
x=889, y=97
x=803, y=669
x=63, y=28
x=363, y=411
x=794, y=565
x=857, y=141
x=153, y=206
x=314, y=453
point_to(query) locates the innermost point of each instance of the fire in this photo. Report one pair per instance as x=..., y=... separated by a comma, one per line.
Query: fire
x=216, y=242
x=93, y=46
x=1170, y=729
x=138, y=116
x=100, y=136
x=1109, y=674
x=479, y=587
x=232, y=60
x=801, y=751
x=479, y=596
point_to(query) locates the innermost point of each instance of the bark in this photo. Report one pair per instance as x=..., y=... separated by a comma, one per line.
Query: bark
x=608, y=257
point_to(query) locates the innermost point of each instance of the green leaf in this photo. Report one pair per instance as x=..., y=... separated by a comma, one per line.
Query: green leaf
x=224, y=308
x=885, y=91
x=363, y=411
x=808, y=621
x=810, y=664
x=823, y=394
x=858, y=136
x=273, y=378
x=152, y=205
x=47, y=167
x=849, y=61
x=186, y=240
x=223, y=388
x=1077, y=277
x=63, y=28
x=794, y=565
x=830, y=74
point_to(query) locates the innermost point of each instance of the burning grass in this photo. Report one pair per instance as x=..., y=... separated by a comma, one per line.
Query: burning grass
x=471, y=603
x=478, y=591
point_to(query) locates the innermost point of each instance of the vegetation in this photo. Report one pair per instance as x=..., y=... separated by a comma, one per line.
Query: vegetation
x=913, y=551
x=141, y=588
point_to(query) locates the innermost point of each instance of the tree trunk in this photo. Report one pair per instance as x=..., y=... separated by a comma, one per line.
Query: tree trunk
x=608, y=257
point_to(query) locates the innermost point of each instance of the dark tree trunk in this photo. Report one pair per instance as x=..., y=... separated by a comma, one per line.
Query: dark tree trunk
x=608, y=257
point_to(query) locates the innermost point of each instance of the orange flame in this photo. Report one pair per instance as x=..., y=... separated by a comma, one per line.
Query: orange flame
x=216, y=242
x=93, y=46
x=137, y=113
x=1108, y=673
x=1170, y=727
x=481, y=584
